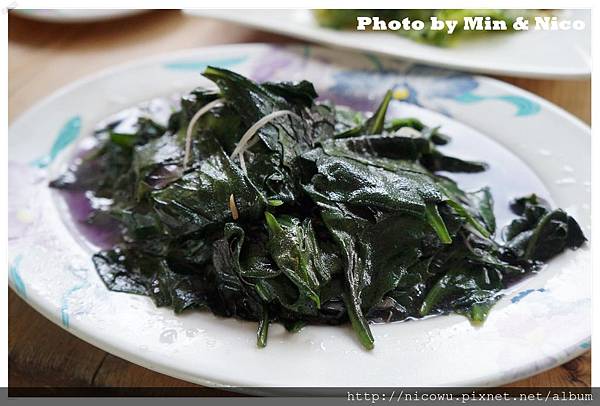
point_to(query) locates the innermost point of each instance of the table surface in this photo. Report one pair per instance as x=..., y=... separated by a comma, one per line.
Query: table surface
x=45, y=56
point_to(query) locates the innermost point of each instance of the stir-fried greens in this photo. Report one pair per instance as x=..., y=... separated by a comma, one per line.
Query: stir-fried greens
x=346, y=19
x=270, y=206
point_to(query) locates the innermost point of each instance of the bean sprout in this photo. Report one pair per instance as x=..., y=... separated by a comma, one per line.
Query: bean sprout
x=190, y=129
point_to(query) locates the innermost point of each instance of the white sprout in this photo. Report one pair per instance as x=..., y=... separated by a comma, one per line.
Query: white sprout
x=244, y=143
x=190, y=129
x=243, y=162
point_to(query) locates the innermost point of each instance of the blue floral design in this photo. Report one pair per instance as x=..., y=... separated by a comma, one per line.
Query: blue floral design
x=13, y=271
x=525, y=107
x=351, y=86
x=439, y=83
x=67, y=134
x=80, y=274
x=201, y=65
x=519, y=296
x=419, y=85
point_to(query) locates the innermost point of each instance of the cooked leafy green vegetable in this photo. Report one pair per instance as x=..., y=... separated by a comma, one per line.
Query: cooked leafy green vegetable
x=314, y=215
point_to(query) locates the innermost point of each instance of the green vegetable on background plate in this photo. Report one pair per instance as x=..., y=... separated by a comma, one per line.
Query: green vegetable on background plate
x=346, y=19
x=256, y=201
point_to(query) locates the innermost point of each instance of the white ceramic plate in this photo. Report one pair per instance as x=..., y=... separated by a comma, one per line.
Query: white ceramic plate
x=75, y=15
x=556, y=54
x=540, y=323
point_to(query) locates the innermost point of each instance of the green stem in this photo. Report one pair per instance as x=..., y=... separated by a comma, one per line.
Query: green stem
x=359, y=323
x=263, y=329
x=479, y=312
x=461, y=211
x=376, y=122
x=437, y=223
x=436, y=293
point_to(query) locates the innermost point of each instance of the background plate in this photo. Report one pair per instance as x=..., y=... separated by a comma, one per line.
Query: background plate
x=551, y=54
x=50, y=264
